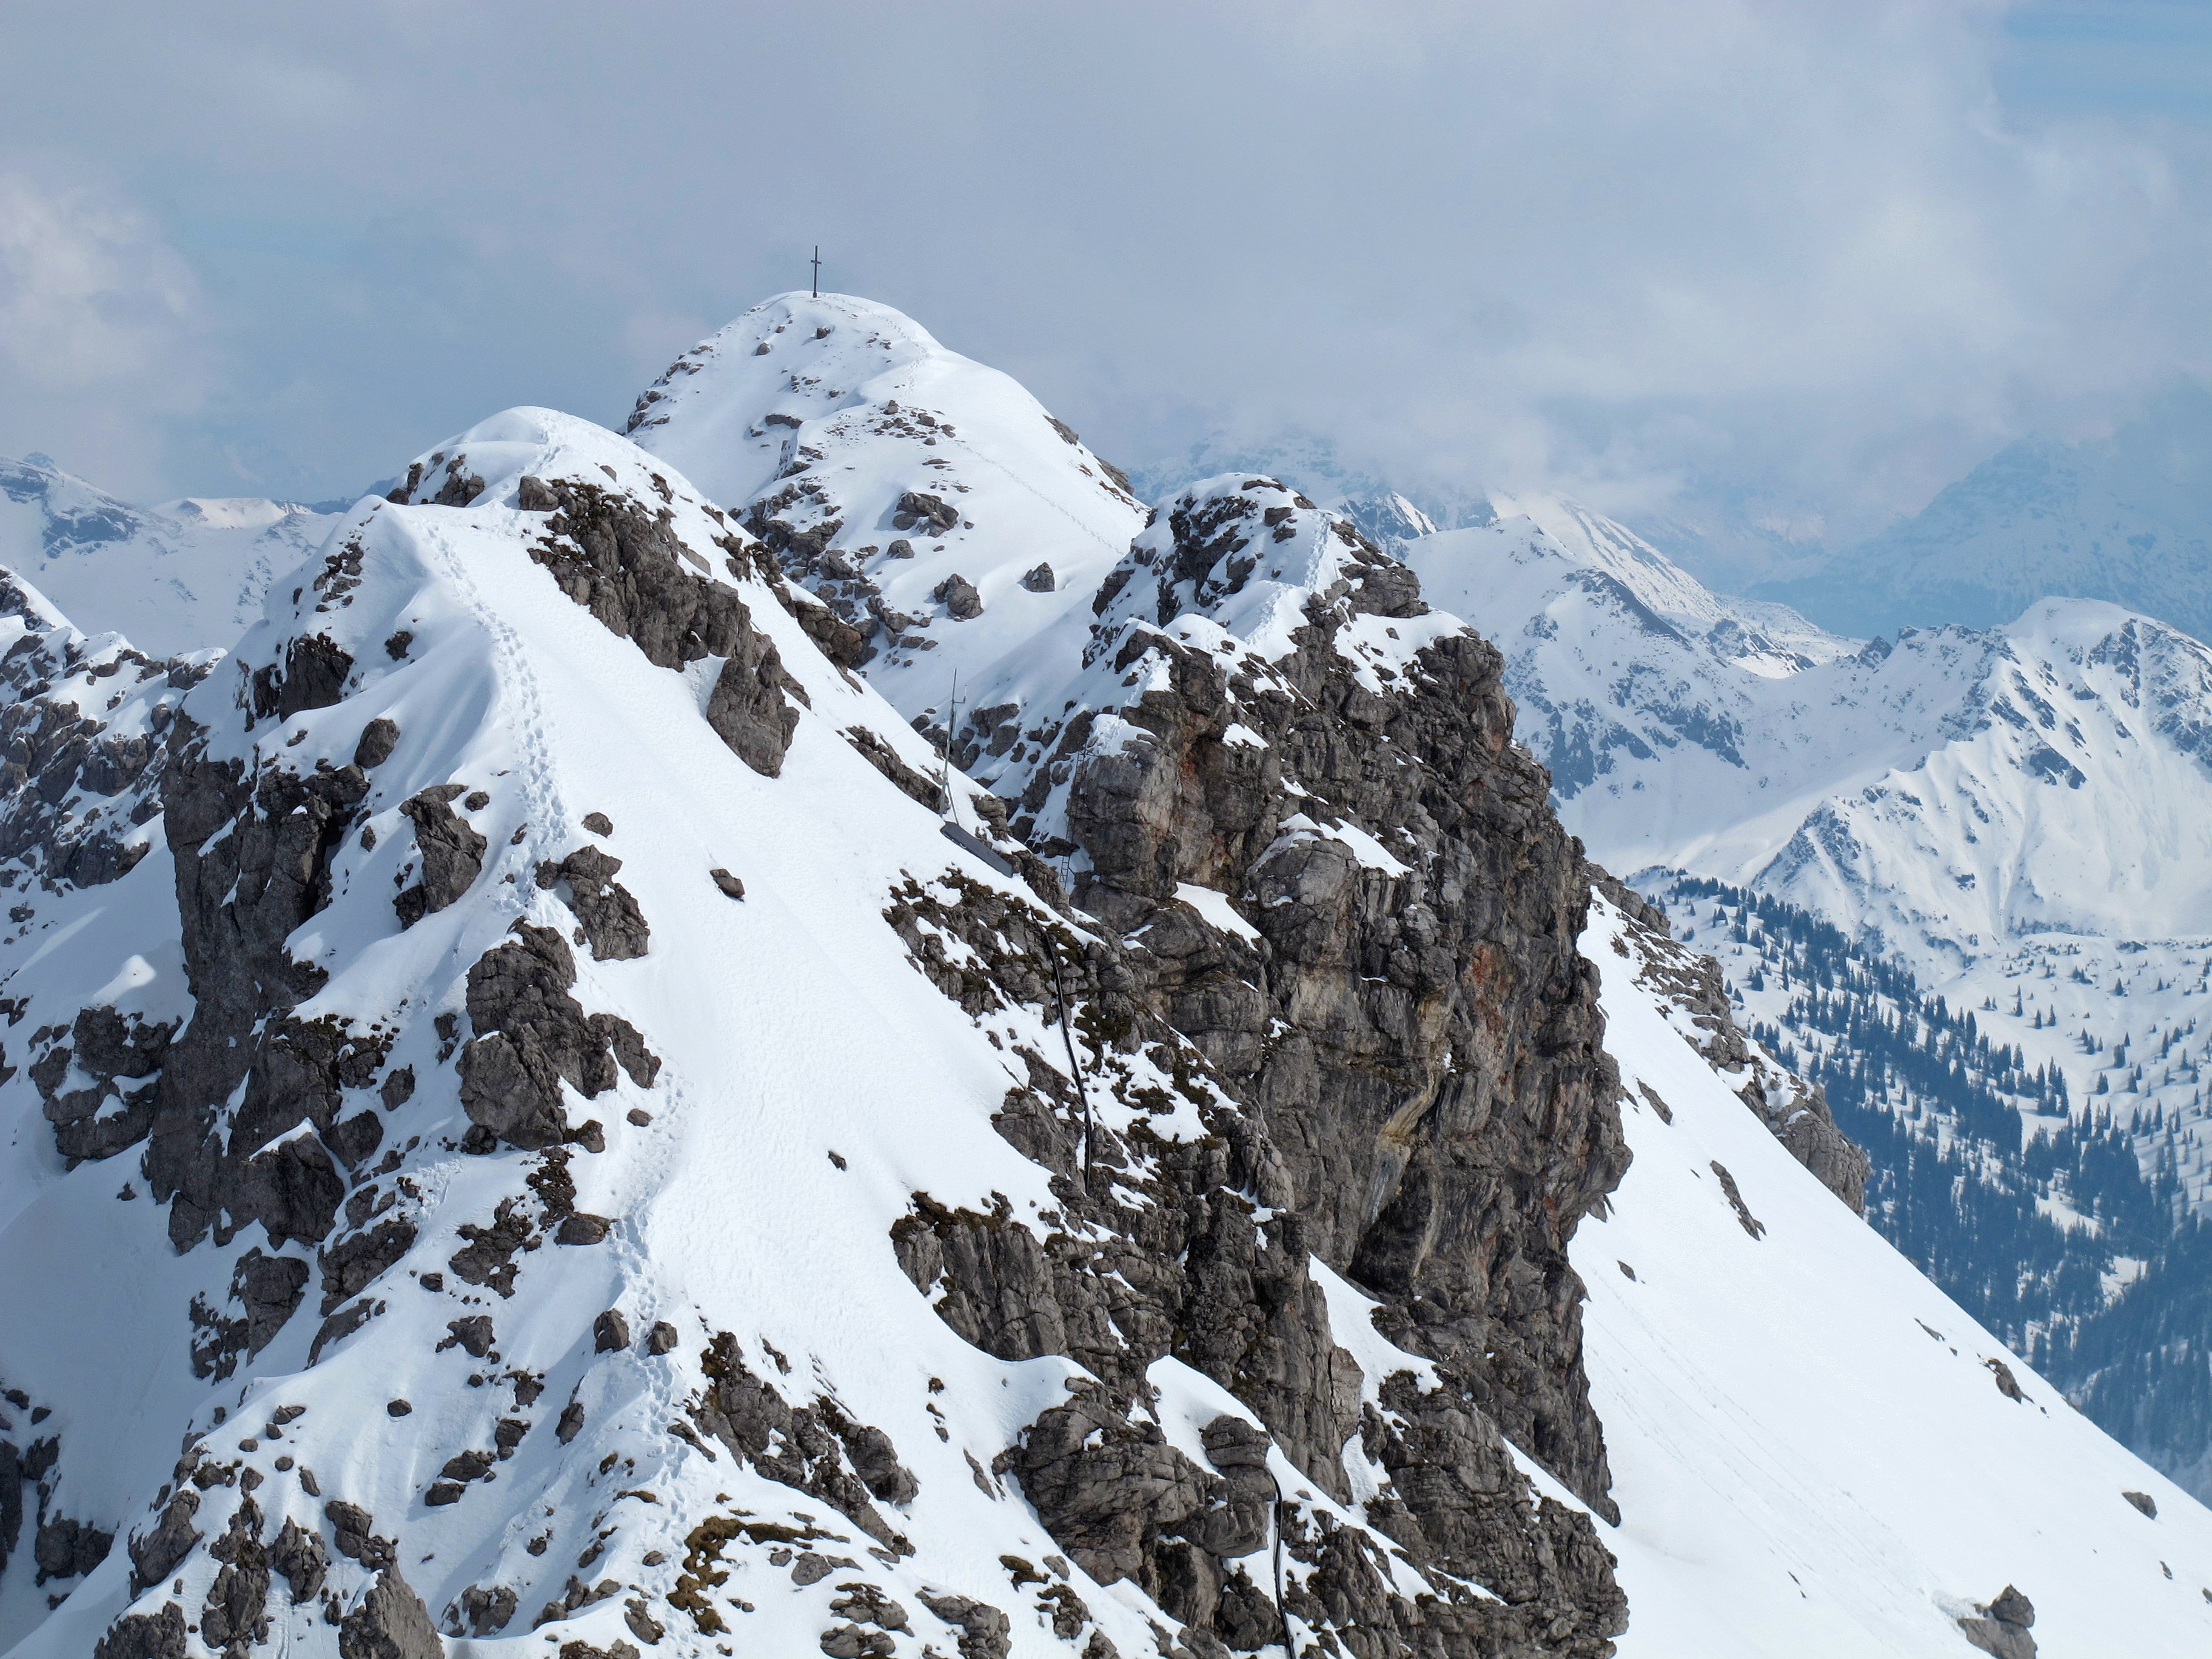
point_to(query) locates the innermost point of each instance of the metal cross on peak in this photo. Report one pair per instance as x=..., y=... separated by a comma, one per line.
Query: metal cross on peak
x=817, y=271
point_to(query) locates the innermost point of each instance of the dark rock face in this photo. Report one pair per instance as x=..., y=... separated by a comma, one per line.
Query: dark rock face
x=1159, y=1250
x=390, y=1622
x=234, y=1618
x=267, y=1291
x=68, y=1549
x=817, y=1449
x=1404, y=1067
x=913, y=785
x=531, y=1035
x=76, y=776
x=313, y=676
x=983, y=1629
x=154, y=1554
x=959, y=597
x=252, y=862
x=145, y=1636
x=627, y=567
x=2003, y=1629
x=453, y=853
x=919, y=510
x=298, y=1556
x=1440, y=1101
x=613, y=925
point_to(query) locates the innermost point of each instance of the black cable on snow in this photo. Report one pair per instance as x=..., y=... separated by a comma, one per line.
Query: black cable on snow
x=1281, y=1618
x=1074, y=1065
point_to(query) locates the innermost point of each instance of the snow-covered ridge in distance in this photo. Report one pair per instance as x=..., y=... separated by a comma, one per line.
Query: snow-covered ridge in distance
x=183, y=576
x=1954, y=790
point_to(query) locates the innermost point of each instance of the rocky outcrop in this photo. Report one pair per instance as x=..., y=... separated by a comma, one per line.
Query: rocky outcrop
x=253, y=858
x=817, y=1449
x=612, y=924
x=531, y=1036
x=628, y=568
x=1196, y=1249
x=390, y=1622
x=2001, y=1628
x=453, y=852
x=1406, y=1014
x=81, y=743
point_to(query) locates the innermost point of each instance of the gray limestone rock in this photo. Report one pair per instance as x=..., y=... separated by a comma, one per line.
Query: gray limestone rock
x=235, y=1617
x=532, y=1036
x=354, y=1536
x=378, y=740
x=627, y=567
x=390, y=1622
x=2002, y=1631
x=313, y=676
x=885, y=759
x=929, y=512
x=351, y=1264
x=158, y=1635
x=959, y=597
x=613, y=925
x=453, y=853
x=154, y=1554
x=68, y=1549
x=808, y=1448
x=298, y=1556
x=487, y=1608
x=984, y=1631
x=1039, y=579
x=748, y=709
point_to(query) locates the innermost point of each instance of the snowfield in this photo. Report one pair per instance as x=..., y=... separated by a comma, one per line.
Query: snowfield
x=1811, y=1452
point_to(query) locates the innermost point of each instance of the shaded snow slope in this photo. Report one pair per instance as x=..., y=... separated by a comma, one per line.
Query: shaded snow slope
x=183, y=576
x=932, y=500
x=1813, y=1452
x=1955, y=791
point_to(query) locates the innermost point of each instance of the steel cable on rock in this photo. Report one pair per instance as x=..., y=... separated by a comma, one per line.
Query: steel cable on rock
x=1074, y=1065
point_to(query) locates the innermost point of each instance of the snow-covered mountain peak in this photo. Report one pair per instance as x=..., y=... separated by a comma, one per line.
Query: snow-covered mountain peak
x=931, y=501
x=1594, y=542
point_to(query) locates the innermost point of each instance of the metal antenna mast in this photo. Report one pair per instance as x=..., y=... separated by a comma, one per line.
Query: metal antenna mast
x=817, y=271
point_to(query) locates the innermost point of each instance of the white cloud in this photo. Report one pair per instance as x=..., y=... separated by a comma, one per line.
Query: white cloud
x=1799, y=254
x=100, y=323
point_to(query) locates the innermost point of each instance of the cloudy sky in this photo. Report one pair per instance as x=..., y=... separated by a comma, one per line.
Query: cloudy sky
x=1792, y=264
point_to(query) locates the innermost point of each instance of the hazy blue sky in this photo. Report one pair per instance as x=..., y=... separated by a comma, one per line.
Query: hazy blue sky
x=1801, y=262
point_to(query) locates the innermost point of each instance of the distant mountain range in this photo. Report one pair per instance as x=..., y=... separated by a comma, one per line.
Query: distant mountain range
x=185, y=575
x=2126, y=519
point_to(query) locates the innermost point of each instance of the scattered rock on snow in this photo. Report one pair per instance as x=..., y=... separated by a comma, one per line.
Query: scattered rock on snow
x=2003, y=1632
x=958, y=597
